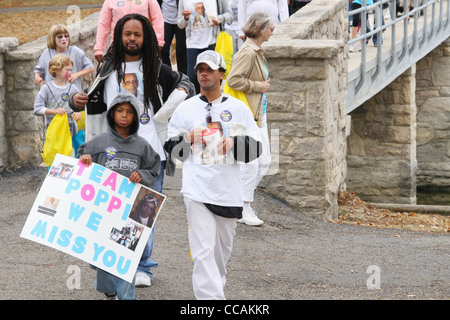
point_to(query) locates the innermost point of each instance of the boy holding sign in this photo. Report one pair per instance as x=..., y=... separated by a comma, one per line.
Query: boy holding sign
x=123, y=151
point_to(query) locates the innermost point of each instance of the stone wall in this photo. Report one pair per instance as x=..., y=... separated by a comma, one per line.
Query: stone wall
x=381, y=153
x=307, y=62
x=433, y=118
x=23, y=131
x=400, y=141
x=6, y=45
x=307, y=66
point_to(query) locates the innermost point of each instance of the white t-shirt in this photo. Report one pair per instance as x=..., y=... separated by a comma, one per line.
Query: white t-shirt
x=133, y=83
x=201, y=29
x=218, y=183
x=233, y=25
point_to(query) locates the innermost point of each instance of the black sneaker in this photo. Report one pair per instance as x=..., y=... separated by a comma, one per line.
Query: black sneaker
x=112, y=296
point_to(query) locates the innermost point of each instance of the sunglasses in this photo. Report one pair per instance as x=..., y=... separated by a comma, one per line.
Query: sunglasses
x=150, y=198
x=208, y=117
x=60, y=36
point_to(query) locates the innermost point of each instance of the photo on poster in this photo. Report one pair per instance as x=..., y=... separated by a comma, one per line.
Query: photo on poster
x=129, y=236
x=49, y=206
x=146, y=207
x=61, y=170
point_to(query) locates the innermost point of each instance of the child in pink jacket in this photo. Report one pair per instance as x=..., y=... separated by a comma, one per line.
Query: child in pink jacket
x=113, y=10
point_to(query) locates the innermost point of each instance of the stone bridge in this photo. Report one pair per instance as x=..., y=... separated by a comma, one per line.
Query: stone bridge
x=374, y=122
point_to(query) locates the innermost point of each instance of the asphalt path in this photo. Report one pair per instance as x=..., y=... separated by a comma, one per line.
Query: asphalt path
x=292, y=256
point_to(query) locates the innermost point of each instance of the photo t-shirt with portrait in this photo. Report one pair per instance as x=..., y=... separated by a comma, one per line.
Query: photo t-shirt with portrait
x=218, y=178
x=200, y=24
x=133, y=83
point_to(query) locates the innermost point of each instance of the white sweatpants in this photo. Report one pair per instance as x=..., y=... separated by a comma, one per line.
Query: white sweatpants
x=211, y=241
x=253, y=172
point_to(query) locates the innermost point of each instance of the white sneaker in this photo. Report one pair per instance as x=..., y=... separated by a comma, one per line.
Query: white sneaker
x=249, y=218
x=142, y=280
x=354, y=47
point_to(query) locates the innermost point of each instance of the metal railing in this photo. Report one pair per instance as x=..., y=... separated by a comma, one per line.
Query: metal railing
x=407, y=39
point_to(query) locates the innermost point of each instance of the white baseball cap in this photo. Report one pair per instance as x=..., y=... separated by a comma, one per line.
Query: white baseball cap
x=212, y=59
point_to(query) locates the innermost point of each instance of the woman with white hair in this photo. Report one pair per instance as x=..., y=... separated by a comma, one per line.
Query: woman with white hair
x=249, y=73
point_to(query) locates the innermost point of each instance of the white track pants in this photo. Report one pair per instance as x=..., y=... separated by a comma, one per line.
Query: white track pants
x=253, y=172
x=211, y=240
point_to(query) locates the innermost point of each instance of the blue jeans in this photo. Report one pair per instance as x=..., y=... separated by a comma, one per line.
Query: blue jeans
x=192, y=54
x=146, y=262
x=110, y=284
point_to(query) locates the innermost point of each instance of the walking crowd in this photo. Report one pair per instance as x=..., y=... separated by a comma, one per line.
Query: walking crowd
x=153, y=110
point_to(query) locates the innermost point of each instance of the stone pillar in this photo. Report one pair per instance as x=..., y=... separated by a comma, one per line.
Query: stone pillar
x=6, y=45
x=381, y=154
x=24, y=130
x=433, y=118
x=306, y=112
x=307, y=108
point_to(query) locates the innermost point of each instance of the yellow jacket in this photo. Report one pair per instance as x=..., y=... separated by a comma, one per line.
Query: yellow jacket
x=247, y=74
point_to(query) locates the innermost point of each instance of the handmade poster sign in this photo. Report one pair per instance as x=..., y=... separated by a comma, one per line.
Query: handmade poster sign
x=93, y=214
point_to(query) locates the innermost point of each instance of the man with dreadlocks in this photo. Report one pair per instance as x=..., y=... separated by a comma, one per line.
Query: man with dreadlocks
x=135, y=51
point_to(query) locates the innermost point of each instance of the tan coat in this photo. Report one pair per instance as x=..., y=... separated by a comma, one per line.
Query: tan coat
x=247, y=74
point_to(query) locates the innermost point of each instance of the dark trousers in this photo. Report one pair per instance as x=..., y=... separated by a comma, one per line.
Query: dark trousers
x=171, y=30
x=295, y=6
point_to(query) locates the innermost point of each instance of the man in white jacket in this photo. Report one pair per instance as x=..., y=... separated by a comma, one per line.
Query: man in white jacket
x=212, y=192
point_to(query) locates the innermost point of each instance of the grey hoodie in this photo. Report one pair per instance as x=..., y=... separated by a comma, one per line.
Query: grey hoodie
x=121, y=155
